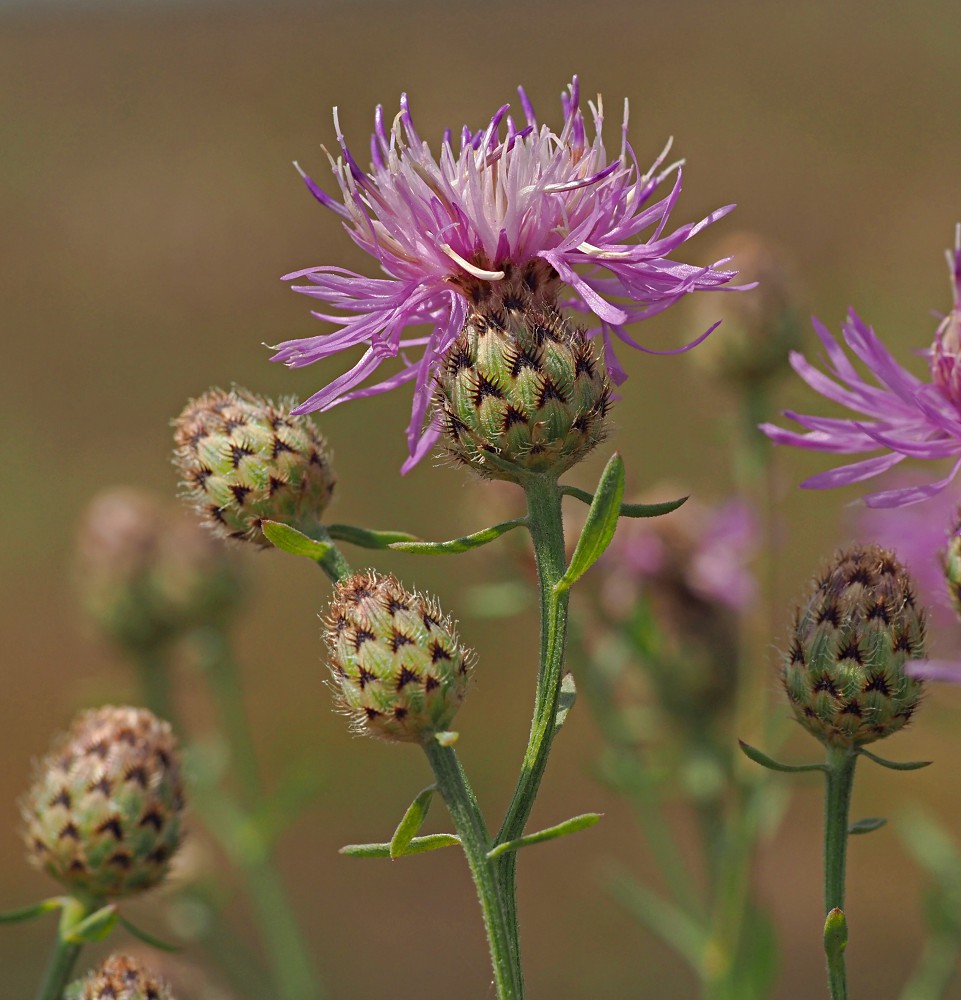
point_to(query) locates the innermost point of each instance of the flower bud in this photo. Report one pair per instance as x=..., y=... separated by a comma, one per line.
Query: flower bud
x=758, y=329
x=951, y=564
x=123, y=978
x=147, y=573
x=398, y=670
x=844, y=673
x=520, y=382
x=103, y=816
x=245, y=459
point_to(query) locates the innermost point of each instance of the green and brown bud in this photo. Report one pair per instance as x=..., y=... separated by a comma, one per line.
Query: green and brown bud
x=845, y=671
x=147, y=573
x=398, y=670
x=951, y=564
x=521, y=383
x=245, y=459
x=123, y=978
x=103, y=816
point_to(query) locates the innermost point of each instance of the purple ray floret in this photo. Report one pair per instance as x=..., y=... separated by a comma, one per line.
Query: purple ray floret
x=490, y=202
x=900, y=415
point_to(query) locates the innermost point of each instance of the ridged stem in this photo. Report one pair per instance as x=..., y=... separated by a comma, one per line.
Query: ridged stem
x=287, y=953
x=65, y=953
x=841, y=762
x=475, y=838
x=547, y=534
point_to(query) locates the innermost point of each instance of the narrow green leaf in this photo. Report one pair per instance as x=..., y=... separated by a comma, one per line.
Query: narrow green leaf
x=29, y=912
x=419, y=845
x=867, y=825
x=412, y=821
x=894, y=765
x=288, y=539
x=774, y=765
x=96, y=927
x=600, y=524
x=629, y=509
x=367, y=539
x=669, y=922
x=462, y=544
x=565, y=701
x=148, y=939
x=551, y=833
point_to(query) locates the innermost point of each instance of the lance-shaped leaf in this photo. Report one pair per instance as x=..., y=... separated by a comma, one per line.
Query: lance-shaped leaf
x=463, y=544
x=29, y=912
x=366, y=538
x=288, y=539
x=835, y=935
x=95, y=927
x=867, y=825
x=629, y=509
x=551, y=833
x=600, y=524
x=895, y=765
x=565, y=700
x=412, y=821
x=419, y=845
x=775, y=765
x=148, y=939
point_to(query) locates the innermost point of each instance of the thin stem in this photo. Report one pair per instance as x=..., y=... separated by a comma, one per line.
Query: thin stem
x=841, y=762
x=64, y=956
x=333, y=562
x=287, y=953
x=153, y=667
x=547, y=534
x=469, y=823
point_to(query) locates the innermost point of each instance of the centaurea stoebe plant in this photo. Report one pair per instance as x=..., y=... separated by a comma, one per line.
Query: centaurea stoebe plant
x=512, y=209
x=902, y=415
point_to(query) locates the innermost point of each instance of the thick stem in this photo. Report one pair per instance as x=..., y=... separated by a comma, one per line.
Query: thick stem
x=547, y=534
x=333, y=562
x=841, y=762
x=475, y=838
x=64, y=956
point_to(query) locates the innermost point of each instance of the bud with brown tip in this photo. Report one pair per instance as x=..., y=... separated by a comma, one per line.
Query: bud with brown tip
x=844, y=673
x=103, y=816
x=245, y=459
x=123, y=978
x=397, y=667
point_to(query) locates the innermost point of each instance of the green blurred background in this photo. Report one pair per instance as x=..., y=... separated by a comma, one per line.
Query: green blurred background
x=149, y=207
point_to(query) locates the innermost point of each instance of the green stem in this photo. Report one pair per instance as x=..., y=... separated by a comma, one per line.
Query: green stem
x=333, y=562
x=153, y=667
x=287, y=953
x=547, y=534
x=841, y=762
x=474, y=835
x=65, y=953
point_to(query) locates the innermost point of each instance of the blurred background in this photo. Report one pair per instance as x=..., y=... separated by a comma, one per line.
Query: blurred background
x=149, y=207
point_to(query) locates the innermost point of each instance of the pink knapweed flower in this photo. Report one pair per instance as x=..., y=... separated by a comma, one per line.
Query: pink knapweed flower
x=498, y=199
x=907, y=417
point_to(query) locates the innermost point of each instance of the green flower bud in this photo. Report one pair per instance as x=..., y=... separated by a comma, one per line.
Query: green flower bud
x=520, y=382
x=103, y=816
x=951, y=564
x=147, y=573
x=245, y=459
x=760, y=328
x=122, y=978
x=397, y=668
x=844, y=673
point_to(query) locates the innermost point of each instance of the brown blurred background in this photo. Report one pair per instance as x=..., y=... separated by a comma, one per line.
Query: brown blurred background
x=149, y=208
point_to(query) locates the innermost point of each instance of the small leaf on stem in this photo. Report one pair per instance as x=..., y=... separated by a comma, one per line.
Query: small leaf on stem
x=148, y=939
x=29, y=912
x=463, y=544
x=288, y=539
x=600, y=524
x=412, y=821
x=894, y=765
x=366, y=538
x=762, y=758
x=95, y=927
x=419, y=845
x=565, y=700
x=551, y=833
x=630, y=509
x=867, y=825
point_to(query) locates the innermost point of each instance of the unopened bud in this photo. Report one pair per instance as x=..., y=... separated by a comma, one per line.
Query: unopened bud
x=398, y=670
x=123, y=978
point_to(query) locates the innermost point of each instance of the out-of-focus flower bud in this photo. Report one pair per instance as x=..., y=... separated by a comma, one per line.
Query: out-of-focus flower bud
x=123, y=978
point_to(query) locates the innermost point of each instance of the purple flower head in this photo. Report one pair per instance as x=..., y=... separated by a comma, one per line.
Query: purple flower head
x=901, y=414
x=498, y=199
